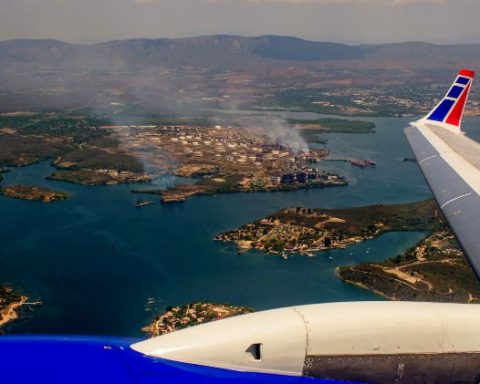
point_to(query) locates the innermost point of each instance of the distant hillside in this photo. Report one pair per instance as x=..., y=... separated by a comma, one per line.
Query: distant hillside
x=291, y=48
x=216, y=51
x=166, y=71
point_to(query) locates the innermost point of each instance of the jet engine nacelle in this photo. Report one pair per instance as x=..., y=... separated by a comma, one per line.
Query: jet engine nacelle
x=375, y=342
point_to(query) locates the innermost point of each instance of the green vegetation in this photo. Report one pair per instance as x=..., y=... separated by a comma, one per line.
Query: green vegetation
x=328, y=125
x=418, y=216
x=78, y=126
x=99, y=158
x=84, y=152
x=16, y=150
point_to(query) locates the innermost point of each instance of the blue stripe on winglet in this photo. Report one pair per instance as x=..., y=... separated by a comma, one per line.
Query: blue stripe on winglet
x=455, y=91
x=442, y=110
x=462, y=80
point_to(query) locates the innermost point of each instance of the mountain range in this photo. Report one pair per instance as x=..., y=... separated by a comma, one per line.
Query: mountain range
x=213, y=66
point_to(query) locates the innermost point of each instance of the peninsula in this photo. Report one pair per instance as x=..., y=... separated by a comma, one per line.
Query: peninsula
x=32, y=193
x=81, y=151
x=10, y=302
x=304, y=230
x=433, y=270
x=229, y=159
x=176, y=318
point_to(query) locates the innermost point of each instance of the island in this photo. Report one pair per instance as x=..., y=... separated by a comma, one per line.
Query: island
x=33, y=193
x=435, y=269
x=332, y=125
x=176, y=318
x=10, y=302
x=305, y=230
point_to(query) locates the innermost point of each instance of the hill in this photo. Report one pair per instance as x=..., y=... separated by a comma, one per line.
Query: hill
x=50, y=74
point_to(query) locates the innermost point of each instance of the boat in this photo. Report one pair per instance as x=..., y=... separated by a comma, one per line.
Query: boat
x=363, y=163
x=141, y=204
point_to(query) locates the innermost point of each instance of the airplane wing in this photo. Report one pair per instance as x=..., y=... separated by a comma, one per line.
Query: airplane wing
x=450, y=162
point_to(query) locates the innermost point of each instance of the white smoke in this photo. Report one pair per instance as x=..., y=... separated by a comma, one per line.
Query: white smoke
x=280, y=132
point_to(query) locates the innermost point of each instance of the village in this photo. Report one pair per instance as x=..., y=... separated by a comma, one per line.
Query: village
x=176, y=318
x=306, y=231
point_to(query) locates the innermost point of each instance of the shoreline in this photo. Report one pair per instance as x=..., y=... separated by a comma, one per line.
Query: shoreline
x=435, y=269
x=10, y=313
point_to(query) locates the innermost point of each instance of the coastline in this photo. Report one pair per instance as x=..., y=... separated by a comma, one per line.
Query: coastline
x=10, y=313
x=435, y=269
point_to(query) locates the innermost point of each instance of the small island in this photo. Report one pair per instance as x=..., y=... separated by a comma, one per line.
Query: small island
x=304, y=230
x=32, y=193
x=10, y=302
x=330, y=125
x=433, y=270
x=176, y=318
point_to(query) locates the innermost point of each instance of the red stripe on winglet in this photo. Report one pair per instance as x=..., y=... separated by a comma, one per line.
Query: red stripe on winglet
x=467, y=73
x=457, y=112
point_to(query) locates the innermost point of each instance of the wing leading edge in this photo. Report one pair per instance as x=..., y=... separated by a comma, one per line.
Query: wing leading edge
x=450, y=162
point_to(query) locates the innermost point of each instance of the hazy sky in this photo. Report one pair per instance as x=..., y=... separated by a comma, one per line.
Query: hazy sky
x=349, y=21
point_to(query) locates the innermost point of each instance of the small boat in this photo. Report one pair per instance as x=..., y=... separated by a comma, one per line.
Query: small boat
x=363, y=163
x=358, y=163
x=141, y=204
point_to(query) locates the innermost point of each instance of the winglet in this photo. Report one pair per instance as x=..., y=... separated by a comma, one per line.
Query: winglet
x=448, y=113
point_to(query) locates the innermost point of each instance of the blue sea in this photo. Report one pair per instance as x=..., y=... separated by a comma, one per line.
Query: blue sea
x=101, y=266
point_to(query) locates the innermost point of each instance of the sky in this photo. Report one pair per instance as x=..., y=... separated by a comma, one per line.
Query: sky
x=345, y=21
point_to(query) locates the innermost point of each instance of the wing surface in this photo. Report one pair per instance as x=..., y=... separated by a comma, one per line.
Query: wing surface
x=450, y=162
